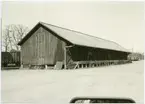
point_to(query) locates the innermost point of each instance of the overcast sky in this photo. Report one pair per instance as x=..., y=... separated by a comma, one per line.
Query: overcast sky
x=122, y=22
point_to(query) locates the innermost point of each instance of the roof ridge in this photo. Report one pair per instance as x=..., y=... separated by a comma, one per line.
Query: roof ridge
x=80, y=32
x=113, y=46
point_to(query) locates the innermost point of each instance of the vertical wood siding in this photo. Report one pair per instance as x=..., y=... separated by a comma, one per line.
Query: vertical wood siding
x=42, y=48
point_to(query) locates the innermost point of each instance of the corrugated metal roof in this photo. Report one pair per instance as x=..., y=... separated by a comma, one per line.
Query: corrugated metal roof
x=82, y=39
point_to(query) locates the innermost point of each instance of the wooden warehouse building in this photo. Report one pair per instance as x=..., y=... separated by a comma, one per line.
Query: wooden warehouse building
x=46, y=44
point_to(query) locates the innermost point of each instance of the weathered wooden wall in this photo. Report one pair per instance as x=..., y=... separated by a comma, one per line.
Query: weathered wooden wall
x=42, y=48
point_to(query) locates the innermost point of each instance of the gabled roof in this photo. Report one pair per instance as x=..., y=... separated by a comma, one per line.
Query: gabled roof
x=78, y=38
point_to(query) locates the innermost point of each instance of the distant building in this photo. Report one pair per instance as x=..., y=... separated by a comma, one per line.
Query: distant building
x=9, y=59
x=136, y=56
x=47, y=44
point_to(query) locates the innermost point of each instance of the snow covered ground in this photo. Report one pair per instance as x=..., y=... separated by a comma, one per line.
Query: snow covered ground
x=59, y=86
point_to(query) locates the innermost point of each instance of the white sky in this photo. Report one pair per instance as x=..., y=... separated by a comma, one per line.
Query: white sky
x=122, y=22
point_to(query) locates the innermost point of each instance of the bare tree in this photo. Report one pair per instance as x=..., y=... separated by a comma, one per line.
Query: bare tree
x=12, y=35
x=6, y=39
x=19, y=31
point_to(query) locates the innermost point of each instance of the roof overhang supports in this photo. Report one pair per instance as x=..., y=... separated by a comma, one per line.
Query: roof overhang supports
x=65, y=55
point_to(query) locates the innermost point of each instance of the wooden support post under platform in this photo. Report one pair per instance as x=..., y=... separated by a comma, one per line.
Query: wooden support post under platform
x=88, y=64
x=82, y=66
x=22, y=66
x=46, y=66
x=65, y=58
